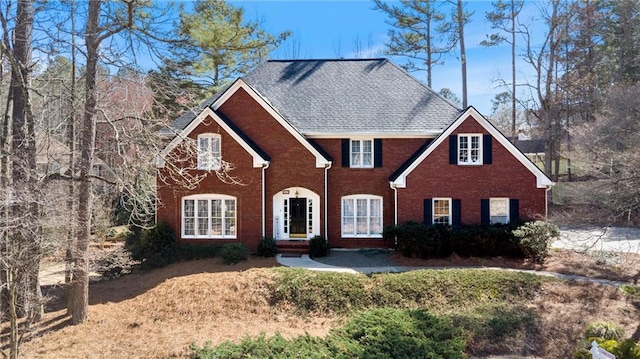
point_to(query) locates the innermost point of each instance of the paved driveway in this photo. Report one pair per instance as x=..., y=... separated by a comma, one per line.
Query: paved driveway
x=612, y=239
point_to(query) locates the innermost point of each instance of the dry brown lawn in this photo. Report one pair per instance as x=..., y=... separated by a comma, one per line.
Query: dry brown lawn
x=159, y=313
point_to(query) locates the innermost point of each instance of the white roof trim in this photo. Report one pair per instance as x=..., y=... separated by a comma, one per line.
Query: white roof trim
x=258, y=161
x=402, y=135
x=542, y=181
x=321, y=161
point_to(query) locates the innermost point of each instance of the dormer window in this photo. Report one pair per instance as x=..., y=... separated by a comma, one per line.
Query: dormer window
x=469, y=149
x=209, y=154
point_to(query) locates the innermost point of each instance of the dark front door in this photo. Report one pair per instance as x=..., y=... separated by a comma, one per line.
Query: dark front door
x=297, y=221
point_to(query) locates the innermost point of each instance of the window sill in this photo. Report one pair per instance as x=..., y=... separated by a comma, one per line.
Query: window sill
x=362, y=236
x=208, y=238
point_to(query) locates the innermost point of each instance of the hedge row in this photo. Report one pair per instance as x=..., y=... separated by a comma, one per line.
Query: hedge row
x=414, y=239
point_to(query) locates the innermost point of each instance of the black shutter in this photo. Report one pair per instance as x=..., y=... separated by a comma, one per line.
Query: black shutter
x=514, y=210
x=484, y=211
x=456, y=213
x=345, y=153
x=428, y=212
x=453, y=150
x=377, y=152
x=486, y=149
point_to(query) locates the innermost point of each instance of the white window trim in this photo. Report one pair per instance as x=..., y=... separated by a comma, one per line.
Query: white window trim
x=209, y=198
x=508, y=210
x=213, y=163
x=361, y=141
x=469, y=136
x=433, y=210
x=354, y=234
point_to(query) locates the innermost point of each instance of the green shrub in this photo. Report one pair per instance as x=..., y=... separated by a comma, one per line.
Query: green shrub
x=155, y=247
x=414, y=239
x=380, y=333
x=535, y=239
x=318, y=247
x=485, y=241
x=232, y=253
x=603, y=330
x=324, y=292
x=393, y=333
x=304, y=346
x=267, y=247
x=630, y=290
x=187, y=252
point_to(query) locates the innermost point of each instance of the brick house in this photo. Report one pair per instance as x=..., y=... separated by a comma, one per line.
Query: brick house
x=341, y=149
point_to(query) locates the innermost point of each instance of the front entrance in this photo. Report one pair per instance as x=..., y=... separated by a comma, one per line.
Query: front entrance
x=297, y=217
x=296, y=214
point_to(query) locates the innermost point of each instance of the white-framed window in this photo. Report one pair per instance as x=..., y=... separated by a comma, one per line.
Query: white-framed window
x=498, y=210
x=209, y=216
x=362, y=216
x=441, y=208
x=361, y=153
x=209, y=153
x=470, y=149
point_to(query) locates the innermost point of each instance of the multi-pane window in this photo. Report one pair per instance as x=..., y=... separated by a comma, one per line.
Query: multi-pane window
x=209, y=154
x=499, y=210
x=362, y=153
x=470, y=149
x=442, y=211
x=209, y=216
x=362, y=216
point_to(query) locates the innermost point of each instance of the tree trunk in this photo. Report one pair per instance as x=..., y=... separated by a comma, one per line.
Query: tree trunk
x=463, y=53
x=514, y=133
x=79, y=299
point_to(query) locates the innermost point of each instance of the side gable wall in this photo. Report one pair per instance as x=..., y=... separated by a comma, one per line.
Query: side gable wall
x=291, y=165
x=248, y=195
x=505, y=177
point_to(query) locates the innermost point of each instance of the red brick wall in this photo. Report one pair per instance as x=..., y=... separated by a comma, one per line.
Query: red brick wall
x=292, y=165
x=505, y=177
x=344, y=181
x=248, y=195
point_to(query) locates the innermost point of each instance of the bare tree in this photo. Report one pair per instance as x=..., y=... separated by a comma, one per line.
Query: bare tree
x=504, y=17
x=545, y=102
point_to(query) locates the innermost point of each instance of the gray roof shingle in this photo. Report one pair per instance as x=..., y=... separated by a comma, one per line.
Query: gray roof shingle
x=333, y=97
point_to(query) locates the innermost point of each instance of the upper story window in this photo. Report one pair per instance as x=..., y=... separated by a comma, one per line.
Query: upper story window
x=470, y=149
x=361, y=153
x=209, y=153
x=362, y=216
x=498, y=210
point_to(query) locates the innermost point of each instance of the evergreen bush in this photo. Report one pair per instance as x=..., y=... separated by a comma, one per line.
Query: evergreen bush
x=318, y=247
x=232, y=253
x=535, y=239
x=155, y=247
x=267, y=247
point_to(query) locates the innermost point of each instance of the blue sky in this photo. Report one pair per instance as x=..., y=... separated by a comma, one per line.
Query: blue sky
x=331, y=29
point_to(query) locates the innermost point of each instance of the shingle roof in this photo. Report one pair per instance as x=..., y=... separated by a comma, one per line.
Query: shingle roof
x=350, y=96
x=361, y=96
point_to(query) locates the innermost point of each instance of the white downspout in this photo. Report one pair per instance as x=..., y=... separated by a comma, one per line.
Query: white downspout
x=326, y=200
x=264, y=200
x=395, y=203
